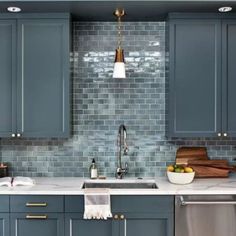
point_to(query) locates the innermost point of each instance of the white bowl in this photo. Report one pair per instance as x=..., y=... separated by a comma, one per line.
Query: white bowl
x=180, y=178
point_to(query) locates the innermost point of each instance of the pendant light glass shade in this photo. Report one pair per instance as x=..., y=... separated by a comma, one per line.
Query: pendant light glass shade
x=119, y=66
x=119, y=70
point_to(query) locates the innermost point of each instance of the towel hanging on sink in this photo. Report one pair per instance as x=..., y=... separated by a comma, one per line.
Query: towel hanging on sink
x=97, y=204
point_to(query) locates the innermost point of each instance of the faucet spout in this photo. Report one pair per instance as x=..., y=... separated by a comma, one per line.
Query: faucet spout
x=121, y=141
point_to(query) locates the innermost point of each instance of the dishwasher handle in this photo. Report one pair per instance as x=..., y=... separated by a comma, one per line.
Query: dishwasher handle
x=185, y=203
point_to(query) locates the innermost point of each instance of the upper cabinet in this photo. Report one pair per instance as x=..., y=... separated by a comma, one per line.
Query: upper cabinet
x=43, y=78
x=202, y=72
x=7, y=77
x=35, y=97
x=229, y=77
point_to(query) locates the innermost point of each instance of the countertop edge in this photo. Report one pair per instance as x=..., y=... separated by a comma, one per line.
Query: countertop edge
x=73, y=186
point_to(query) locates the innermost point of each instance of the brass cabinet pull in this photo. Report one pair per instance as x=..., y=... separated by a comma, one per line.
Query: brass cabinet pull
x=219, y=134
x=225, y=134
x=36, y=217
x=36, y=204
x=122, y=217
x=116, y=217
x=13, y=135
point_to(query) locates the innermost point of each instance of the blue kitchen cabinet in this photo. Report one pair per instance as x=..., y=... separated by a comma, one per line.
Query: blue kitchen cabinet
x=128, y=224
x=202, y=82
x=144, y=215
x=43, y=78
x=228, y=77
x=36, y=215
x=34, y=81
x=139, y=224
x=37, y=224
x=27, y=215
x=195, y=77
x=4, y=216
x=132, y=216
x=4, y=224
x=8, y=77
x=75, y=225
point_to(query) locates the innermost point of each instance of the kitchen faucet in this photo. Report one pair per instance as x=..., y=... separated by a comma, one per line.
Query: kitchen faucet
x=121, y=143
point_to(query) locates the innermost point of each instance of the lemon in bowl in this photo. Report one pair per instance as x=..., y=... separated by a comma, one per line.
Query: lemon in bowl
x=180, y=175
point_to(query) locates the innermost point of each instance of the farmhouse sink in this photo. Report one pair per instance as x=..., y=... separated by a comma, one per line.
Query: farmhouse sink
x=120, y=185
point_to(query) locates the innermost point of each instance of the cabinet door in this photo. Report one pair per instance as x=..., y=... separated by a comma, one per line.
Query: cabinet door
x=229, y=77
x=140, y=224
x=75, y=225
x=195, y=78
x=7, y=77
x=43, y=78
x=52, y=226
x=4, y=224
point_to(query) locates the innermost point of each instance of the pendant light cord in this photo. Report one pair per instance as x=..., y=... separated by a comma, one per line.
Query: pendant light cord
x=119, y=32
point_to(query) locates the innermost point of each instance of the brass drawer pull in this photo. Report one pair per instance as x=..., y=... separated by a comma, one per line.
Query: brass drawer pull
x=36, y=217
x=122, y=217
x=36, y=204
x=116, y=217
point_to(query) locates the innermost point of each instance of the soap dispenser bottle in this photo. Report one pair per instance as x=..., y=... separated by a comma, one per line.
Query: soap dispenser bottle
x=93, y=170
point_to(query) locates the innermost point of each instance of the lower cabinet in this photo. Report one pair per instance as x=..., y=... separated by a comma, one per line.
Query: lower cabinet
x=75, y=226
x=132, y=216
x=144, y=215
x=63, y=216
x=146, y=224
x=131, y=225
x=4, y=224
x=51, y=224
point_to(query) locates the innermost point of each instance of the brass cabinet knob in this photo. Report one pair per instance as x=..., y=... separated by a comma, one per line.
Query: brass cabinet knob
x=116, y=217
x=18, y=135
x=13, y=135
x=225, y=134
x=219, y=134
x=122, y=217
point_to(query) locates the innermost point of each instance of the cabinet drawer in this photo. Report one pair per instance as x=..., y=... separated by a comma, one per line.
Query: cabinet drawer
x=126, y=203
x=155, y=204
x=74, y=203
x=37, y=203
x=37, y=224
x=4, y=206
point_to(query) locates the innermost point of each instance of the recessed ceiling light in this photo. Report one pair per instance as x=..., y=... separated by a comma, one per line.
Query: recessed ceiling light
x=225, y=9
x=13, y=9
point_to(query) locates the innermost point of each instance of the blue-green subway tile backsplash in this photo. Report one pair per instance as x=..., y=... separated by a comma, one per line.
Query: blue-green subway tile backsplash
x=100, y=104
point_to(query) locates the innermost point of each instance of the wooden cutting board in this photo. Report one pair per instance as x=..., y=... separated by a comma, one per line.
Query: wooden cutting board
x=210, y=172
x=185, y=154
x=197, y=158
x=213, y=163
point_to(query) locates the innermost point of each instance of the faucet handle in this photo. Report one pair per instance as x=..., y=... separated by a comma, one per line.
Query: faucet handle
x=120, y=172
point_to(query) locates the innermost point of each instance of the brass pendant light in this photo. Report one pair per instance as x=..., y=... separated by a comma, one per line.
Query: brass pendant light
x=119, y=66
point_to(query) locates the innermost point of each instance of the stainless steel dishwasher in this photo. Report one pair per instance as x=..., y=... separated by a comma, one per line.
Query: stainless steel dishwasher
x=205, y=215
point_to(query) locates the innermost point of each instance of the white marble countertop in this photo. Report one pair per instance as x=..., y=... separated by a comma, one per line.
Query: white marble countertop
x=73, y=186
